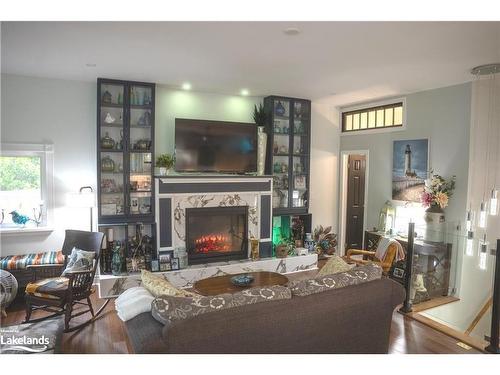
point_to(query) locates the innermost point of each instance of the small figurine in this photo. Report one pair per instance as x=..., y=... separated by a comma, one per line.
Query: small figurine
x=106, y=97
x=109, y=119
x=19, y=219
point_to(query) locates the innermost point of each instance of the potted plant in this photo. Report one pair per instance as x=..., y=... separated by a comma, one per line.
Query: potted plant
x=326, y=241
x=260, y=117
x=165, y=162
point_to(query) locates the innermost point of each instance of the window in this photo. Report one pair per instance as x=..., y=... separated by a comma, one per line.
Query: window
x=25, y=186
x=382, y=116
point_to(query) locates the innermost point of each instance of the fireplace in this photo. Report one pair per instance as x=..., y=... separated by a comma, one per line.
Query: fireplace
x=215, y=234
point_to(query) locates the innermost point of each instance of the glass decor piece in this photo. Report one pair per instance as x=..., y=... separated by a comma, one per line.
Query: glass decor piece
x=483, y=214
x=494, y=202
x=483, y=253
x=469, y=244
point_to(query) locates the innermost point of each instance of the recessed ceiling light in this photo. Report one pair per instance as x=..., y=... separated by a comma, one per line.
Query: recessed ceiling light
x=186, y=86
x=244, y=92
x=292, y=31
x=90, y=65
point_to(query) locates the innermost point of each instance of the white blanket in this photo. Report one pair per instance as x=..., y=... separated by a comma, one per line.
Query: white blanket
x=384, y=244
x=132, y=302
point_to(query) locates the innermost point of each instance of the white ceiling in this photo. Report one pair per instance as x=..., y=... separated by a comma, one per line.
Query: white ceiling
x=356, y=61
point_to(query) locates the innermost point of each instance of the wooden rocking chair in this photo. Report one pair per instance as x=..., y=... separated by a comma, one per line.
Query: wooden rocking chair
x=386, y=263
x=59, y=295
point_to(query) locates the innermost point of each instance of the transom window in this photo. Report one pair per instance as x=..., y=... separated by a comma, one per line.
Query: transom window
x=377, y=117
x=25, y=186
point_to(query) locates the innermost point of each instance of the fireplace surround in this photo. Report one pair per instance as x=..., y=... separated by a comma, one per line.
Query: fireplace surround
x=215, y=234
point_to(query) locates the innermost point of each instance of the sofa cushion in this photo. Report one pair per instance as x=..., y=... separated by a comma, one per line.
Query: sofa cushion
x=20, y=262
x=334, y=265
x=168, y=309
x=158, y=286
x=355, y=276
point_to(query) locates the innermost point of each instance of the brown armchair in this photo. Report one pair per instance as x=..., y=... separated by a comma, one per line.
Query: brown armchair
x=386, y=263
x=60, y=295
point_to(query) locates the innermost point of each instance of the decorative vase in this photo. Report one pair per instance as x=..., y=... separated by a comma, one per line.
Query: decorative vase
x=107, y=142
x=163, y=171
x=254, y=249
x=309, y=243
x=107, y=164
x=117, y=260
x=261, y=150
x=434, y=224
x=280, y=109
x=281, y=251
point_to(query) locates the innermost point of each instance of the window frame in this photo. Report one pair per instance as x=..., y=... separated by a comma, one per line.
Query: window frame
x=362, y=107
x=46, y=154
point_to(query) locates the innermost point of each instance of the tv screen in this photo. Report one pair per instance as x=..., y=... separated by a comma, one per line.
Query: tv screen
x=215, y=146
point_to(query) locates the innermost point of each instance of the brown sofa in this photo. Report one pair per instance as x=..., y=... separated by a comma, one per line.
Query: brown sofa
x=354, y=319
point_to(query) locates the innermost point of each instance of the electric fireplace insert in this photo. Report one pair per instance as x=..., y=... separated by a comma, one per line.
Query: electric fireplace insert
x=216, y=234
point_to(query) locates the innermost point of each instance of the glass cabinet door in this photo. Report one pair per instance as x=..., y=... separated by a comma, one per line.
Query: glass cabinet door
x=300, y=141
x=281, y=152
x=140, y=146
x=111, y=146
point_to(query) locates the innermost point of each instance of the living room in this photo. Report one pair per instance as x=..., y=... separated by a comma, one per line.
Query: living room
x=244, y=187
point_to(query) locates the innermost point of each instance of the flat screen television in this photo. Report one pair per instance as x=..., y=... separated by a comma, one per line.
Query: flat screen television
x=215, y=146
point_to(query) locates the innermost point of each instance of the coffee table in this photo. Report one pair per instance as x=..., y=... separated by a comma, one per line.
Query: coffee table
x=222, y=284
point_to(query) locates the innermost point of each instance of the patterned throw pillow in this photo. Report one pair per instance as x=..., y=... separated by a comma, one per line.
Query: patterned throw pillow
x=79, y=260
x=357, y=275
x=168, y=309
x=157, y=286
x=334, y=265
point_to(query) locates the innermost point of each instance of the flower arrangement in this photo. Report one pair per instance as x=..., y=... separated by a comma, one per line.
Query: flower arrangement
x=437, y=191
x=325, y=239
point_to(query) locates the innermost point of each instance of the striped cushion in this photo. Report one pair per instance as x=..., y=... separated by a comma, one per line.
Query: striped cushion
x=53, y=288
x=19, y=262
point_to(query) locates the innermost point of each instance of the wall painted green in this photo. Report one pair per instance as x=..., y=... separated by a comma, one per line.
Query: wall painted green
x=443, y=116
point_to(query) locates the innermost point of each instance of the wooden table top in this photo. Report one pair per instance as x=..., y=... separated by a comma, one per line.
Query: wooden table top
x=222, y=284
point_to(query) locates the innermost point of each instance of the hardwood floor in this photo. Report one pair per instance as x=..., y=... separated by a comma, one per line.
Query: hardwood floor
x=107, y=334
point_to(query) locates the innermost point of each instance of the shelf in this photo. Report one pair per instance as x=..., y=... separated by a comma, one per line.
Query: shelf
x=139, y=106
x=112, y=125
x=141, y=126
x=111, y=150
x=282, y=118
x=300, y=155
x=103, y=172
x=282, y=134
x=141, y=152
x=281, y=154
x=142, y=191
x=111, y=105
x=140, y=173
x=112, y=193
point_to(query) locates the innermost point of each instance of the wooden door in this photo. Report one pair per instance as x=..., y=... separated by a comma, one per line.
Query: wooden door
x=355, y=201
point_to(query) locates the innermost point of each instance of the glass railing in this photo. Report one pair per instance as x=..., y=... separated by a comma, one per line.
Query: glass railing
x=452, y=279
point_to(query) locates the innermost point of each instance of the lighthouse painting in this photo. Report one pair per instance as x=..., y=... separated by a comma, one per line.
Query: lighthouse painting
x=410, y=163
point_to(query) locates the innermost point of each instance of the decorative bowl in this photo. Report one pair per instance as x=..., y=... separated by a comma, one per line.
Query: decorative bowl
x=242, y=280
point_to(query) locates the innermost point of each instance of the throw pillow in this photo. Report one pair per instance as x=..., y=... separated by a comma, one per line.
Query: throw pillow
x=355, y=276
x=157, y=286
x=168, y=309
x=334, y=265
x=79, y=260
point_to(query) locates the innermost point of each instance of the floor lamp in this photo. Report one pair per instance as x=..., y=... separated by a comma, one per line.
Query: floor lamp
x=85, y=198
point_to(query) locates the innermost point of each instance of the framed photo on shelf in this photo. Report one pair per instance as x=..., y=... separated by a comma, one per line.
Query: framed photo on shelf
x=165, y=256
x=165, y=266
x=175, y=263
x=299, y=182
x=155, y=265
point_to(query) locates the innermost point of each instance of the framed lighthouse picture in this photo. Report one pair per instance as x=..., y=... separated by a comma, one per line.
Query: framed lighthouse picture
x=410, y=164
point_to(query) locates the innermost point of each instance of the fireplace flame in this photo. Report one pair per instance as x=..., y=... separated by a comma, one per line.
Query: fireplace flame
x=212, y=243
